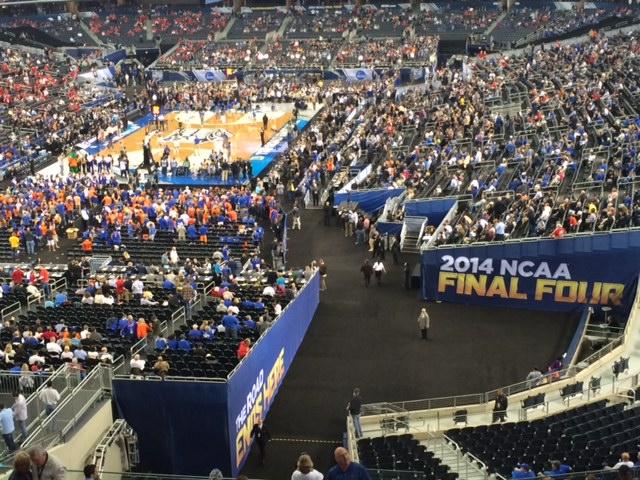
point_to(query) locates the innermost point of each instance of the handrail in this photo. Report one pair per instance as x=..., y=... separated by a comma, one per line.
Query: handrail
x=58, y=423
x=138, y=346
x=468, y=454
x=172, y=378
x=10, y=310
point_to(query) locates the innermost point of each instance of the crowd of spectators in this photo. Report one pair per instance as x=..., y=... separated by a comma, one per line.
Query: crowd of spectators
x=388, y=52
x=202, y=54
x=170, y=24
x=325, y=23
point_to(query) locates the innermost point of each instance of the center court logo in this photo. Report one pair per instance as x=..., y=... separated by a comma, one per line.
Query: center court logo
x=361, y=75
x=209, y=76
x=219, y=134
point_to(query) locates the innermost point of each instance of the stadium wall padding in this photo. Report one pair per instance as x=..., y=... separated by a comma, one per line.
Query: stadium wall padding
x=253, y=386
x=435, y=209
x=181, y=425
x=392, y=228
x=190, y=427
x=368, y=200
x=544, y=274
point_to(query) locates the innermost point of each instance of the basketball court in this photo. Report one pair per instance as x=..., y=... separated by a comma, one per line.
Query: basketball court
x=195, y=135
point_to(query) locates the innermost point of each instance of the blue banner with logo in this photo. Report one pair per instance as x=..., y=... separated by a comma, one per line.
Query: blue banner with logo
x=368, y=200
x=209, y=75
x=548, y=274
x=252, y=388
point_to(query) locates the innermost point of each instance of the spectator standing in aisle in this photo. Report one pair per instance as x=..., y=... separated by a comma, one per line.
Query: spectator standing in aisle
x=8, y=427
x=322, y=270
x=20, y=413
x=305, y=470
x=327, y=213
x=378, y=270
x=297, y=222
x=261, y=435
x=367, y=271
x=424, y=323
x=500, y=407
x=345, y=468
x=50, y=397
x=354, y=407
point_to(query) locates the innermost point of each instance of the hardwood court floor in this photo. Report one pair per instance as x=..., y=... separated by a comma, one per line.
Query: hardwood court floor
x=197, y=139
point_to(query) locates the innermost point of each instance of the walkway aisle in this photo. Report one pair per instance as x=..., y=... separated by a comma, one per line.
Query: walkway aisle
x=369, y=338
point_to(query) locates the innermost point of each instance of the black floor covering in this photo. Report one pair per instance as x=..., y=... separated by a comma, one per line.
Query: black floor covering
x=368, y=337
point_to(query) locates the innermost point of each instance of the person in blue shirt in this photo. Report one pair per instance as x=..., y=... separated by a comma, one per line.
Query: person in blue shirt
x=231, y=325
x=184, y=344
x=6, y=422
x=522, y=471
x=192, y=234
x=172, y=343
x=80, y=353
x=60, y=299
x=161, y=343
x=258, y=305
x=345, y=468
x=557, y=469
x=195, y=333
x=249, y=323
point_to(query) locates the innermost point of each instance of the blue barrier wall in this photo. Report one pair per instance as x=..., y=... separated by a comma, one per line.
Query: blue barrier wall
x=181, y=425
x=190, y=427
x=547, y=274
x=368, y=200
x=392, y=228
x=254, y=385
x=435, y=209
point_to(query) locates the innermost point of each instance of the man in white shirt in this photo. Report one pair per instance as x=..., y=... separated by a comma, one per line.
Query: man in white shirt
x=36, y=358
x=269, y=291
x=20, y=413
x=84, y=334
x=53, y=347
x=378, y=270
x=50, y=397
x=137, y=365
x=105, y=356
x=137, y=287
x=625, y=459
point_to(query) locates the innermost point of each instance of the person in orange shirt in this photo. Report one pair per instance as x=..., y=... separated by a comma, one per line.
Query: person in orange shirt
x=143, y=328
x=87, y=246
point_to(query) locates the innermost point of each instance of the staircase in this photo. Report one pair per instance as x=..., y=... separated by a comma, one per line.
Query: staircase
x=412, y=228
x=467, y=467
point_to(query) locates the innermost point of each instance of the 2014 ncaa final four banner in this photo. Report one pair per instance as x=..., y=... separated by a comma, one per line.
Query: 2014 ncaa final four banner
x=553, y=275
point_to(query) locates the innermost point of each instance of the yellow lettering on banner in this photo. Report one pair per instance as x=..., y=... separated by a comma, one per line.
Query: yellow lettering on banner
x=582, y=292
x=475, y=285
x=497, y=287
x=595, y=295
x=608, y=288
x=446, y=279
x=274, y=379
x=513, y=290
x=572, y=291
x=544, y=286
x=243, y=437
x=263, y=400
